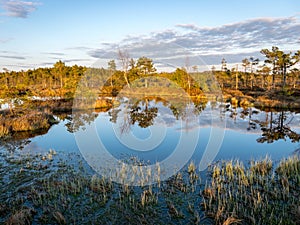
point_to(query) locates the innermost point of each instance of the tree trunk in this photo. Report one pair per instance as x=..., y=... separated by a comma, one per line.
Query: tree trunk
x=273, y=77
x=281, y=120
x=236, y=78
x=273, y=80
x=271, y=120
x=284, y=77
x=126, y=79
x=61, y=81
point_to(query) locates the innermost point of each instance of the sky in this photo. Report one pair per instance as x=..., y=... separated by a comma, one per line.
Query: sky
x=38, y=33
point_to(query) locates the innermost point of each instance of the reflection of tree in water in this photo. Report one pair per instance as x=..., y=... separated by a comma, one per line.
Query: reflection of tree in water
x=113, y=113
x=125, y=125
x=277, y=128
x=143, y=114
x=144, y=111
x=80, y=120
x=248, y=112
x=181, y=109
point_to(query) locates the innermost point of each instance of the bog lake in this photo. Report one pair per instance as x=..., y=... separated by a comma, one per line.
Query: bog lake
x=138, y=132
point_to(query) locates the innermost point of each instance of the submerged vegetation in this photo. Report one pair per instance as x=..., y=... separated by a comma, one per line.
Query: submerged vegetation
x=45, y=189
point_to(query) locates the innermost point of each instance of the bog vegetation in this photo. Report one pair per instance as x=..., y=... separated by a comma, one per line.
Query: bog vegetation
x=47, y=189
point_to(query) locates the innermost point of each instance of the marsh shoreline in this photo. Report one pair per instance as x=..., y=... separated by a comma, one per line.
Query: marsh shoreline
x=38, y=115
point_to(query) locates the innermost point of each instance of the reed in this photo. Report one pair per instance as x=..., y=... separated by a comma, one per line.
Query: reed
x=262, y=192
x=3, y=131
x=257, y=194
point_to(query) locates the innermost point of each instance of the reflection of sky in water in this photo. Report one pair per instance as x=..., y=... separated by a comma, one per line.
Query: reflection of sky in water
x=243, y=146
x=58, y=138
x=118, y=150
x=238, y=141
x=143, y=134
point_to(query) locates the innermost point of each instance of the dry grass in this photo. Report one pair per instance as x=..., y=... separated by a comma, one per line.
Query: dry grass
x=60, y=219
x=24, y=121
x=29, y=122
x=257, y=194
x=234, y=194
x=3, y=131
x=231, y=220
x=103, y=103
x=22, y=217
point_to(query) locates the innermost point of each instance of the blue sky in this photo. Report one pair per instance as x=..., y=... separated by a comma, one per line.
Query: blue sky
x=39, y=32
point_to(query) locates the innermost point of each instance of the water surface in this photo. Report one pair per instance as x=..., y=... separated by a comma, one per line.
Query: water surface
x=151, y=129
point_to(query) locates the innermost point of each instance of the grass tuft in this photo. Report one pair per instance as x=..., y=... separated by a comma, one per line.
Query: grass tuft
x=257, y=194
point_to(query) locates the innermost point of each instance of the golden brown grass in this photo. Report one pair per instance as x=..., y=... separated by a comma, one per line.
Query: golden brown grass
x=19, y=121
x=21, y=217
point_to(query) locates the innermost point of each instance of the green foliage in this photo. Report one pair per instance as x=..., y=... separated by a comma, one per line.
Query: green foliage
x=42, y=81
x=145, y=66
x=61, y=80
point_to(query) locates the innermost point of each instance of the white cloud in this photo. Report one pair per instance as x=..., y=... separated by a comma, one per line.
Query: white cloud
x=17, y=8
x=234, y=41
x=13, y=57
x=5, y=40
x=54, y=53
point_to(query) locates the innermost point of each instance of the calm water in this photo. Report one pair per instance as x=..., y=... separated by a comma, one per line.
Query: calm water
x=154, y=131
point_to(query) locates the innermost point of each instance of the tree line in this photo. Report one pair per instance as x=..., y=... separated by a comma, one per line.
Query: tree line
x=278, y=72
